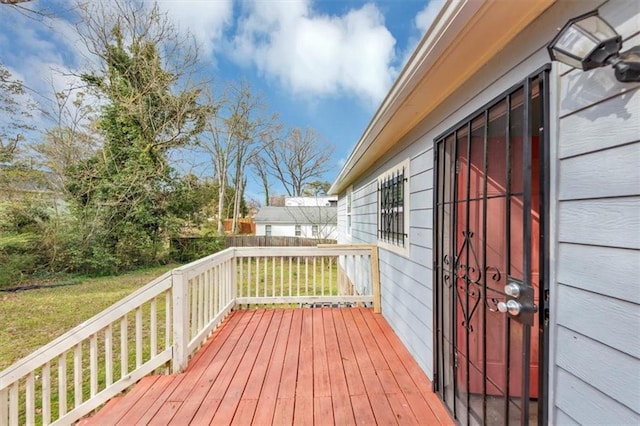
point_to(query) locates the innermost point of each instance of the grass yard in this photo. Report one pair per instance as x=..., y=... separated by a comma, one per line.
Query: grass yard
x=31, y=319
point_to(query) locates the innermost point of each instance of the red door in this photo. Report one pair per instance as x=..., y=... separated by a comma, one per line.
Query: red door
x=488, y=180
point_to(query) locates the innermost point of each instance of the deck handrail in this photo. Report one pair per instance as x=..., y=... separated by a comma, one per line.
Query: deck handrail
x=197, y=297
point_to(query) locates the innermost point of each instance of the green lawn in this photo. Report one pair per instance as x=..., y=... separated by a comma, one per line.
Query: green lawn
x=31, y=319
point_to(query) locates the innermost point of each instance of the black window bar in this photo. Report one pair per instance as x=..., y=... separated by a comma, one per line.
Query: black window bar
x=391, y=195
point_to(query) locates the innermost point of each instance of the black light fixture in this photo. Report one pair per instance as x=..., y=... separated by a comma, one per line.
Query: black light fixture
x=588, y=42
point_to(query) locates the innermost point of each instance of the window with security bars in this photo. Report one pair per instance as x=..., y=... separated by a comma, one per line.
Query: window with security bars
x=391, y=207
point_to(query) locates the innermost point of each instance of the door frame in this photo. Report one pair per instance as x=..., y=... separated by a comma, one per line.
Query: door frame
x=543, y=317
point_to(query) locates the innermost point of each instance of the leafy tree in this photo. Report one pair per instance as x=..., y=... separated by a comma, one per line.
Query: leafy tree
x=121, y=193
x=316, y=188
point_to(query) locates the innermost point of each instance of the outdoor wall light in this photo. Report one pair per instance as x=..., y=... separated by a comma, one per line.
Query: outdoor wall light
x=588, y=42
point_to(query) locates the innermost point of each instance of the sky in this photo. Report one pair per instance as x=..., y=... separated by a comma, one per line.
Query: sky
x=324, y=64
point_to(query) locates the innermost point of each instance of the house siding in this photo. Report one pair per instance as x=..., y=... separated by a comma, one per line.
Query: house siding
x=596, y=346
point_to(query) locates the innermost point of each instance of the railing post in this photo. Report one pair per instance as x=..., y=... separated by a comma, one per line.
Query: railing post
x=375, y=278
x=180, y=294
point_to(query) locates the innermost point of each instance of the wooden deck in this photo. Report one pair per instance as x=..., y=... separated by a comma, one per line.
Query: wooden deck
x=288, y=366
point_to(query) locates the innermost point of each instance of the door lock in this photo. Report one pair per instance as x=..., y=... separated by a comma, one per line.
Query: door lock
x=510, y=306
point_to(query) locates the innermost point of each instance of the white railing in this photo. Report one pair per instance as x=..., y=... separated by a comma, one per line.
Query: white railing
x=165, y=322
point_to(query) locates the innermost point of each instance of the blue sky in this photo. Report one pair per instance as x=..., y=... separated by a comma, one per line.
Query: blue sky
x=325, y=64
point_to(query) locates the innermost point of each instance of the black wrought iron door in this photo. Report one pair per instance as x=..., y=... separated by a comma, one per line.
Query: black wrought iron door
x=490, y=216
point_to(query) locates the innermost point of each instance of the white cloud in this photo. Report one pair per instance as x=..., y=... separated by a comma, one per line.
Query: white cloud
x=421, y=24
x=314, y=54
x=205, y=20
x=425, y=17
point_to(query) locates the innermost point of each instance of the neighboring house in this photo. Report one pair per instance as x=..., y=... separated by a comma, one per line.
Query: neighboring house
x=486, y=166
x=321, y=200
x=297, y=221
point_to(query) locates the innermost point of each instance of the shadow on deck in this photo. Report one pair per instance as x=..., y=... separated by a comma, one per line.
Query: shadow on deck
x=284, y=366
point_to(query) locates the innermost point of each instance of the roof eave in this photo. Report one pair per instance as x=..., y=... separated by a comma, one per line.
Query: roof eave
x=464, y=36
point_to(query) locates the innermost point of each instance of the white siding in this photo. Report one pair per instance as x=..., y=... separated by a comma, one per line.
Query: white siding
x=597, y=298
x=306, y=231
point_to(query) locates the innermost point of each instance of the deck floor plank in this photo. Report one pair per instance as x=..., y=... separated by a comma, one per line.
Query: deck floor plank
x=379, y=402
x=230, y=369
x=351, y=369
x=268, y=396
x=322, y=366
x=241, y=376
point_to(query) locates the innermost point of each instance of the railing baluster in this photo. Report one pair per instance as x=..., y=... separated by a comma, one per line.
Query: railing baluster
x=62, y=384
x=108, y=355
x=153, y=327
x=138, y=336
x=77, y=374
x=306, y=276
x=266, y=276
x=273, y=277
x=281, y=276
x=46, y=394
x=201, y=322
x=257, y=275
x=314, y=277
x=298, y=276
x=249, y=277
x=217, y=294
x=30, y=398
x=93, y=365
x=331, y=277
x=207, y=295
x=193, y=307
x=241, y=283
x=4, y=406
x=124, y=347
x=13, y=403
x=322, y=275
x=167, y=320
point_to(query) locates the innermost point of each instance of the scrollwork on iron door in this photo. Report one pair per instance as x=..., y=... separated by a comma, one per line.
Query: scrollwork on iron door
x=469, y=275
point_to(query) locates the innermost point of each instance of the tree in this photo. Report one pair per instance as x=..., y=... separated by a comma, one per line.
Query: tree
x=316, y=188
x=16, y=117
x=297, y=159
x=121, y=193
x=234, y=139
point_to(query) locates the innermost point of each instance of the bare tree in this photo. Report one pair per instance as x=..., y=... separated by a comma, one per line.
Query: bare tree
x=297, y=159
x=234, y=140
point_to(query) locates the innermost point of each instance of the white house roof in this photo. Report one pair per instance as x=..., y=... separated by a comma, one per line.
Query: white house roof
x=297, y=215
x=464, y=36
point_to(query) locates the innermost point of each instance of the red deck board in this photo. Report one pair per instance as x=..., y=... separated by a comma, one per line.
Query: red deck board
x=258, y=372
x=144, y=403
x=268, y=396
x=129, y=400
x=362, y=410
x=351, y=369
x=283, y=414
x=317, y=366
x=230, y=369
x=321, y=382
x=287, y=389
x=245, y=412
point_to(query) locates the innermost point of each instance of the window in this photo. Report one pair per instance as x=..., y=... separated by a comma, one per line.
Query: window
x=314, y=231
x=393, y=207
x=298, y=230
x=349, y=205
x=267, y=230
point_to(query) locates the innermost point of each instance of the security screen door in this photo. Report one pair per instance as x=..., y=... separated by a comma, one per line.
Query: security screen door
x=489, y=259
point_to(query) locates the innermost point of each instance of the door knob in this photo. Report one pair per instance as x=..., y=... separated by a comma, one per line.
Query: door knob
x=510, y=306
x=512, y=289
